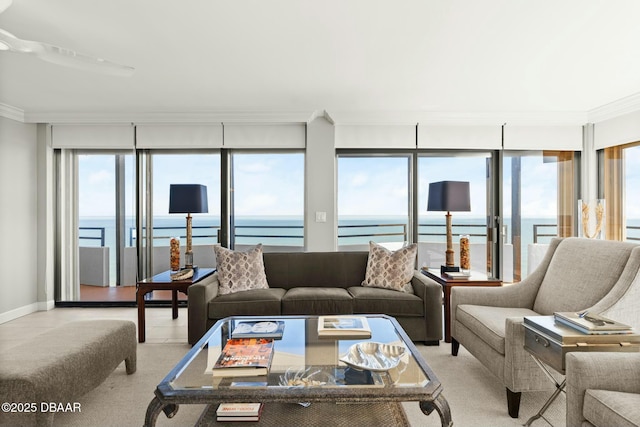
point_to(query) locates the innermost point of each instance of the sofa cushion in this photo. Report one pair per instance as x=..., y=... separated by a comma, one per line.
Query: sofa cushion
x=488, y=323
x=240, y=271
x=319, y=301
x=257, y=302
x=368, y=300
x=391, y=269
x=315, y=269
x=612, y=408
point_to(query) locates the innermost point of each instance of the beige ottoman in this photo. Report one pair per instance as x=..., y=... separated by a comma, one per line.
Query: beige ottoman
x=61, y=365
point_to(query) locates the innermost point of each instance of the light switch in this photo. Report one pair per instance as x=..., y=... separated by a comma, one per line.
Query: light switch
x=321, y=217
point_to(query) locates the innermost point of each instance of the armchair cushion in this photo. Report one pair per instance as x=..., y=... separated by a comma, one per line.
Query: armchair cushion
x=612, y=408
x=488, y=323
x=580, y=274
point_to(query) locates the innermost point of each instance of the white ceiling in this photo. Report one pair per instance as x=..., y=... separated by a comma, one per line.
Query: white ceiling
x=388, y=60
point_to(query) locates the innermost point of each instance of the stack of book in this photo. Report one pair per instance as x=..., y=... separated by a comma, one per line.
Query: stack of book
x=345, y=327
x=239, y=412
x=244, y=357
x=259, y=329
x=592, y=324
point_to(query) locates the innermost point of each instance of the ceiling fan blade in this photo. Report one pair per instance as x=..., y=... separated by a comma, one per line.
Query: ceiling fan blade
x=61, y=56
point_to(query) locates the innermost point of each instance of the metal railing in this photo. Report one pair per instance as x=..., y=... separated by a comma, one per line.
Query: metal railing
x=90, y=237
x=635, y=238
x=402, y=233
x=632, y=232
x=537, y=234
x=196, y=236
x=456, y=229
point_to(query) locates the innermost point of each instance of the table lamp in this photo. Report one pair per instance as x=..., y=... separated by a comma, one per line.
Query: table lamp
x=449, y=196
x=188, y=198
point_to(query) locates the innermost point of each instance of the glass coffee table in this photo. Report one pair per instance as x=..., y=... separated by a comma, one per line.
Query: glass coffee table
x=307, y=380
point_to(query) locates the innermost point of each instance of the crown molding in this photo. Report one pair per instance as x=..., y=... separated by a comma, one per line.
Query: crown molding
x=431, y=118
x=13, y=113
x=170, y=117
x=613, y=109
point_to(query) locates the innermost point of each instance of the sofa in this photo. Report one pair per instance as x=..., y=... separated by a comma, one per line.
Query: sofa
x=575, y=274
x=319, y=283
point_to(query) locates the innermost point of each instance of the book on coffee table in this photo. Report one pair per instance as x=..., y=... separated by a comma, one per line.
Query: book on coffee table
x=244, y=357
x=259, y=329
x=343, y=327
x=239, y=412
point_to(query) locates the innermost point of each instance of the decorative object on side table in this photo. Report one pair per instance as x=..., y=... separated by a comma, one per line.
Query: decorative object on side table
x=174, y=253
x=592, y=219
x=465, y=254
x=188, y=198
x=449, y=196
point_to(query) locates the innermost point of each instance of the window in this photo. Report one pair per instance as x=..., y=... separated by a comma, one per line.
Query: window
x=538, y=204
x=631, y=185
x=267, y=200
x=470, y=167
x=183, y=168
x=373, y=201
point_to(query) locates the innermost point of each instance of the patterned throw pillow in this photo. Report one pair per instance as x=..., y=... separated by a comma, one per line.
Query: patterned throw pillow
x=391, y=269
x=240, y=271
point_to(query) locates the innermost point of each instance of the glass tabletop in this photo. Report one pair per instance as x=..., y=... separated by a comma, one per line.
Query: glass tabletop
x=305, y=365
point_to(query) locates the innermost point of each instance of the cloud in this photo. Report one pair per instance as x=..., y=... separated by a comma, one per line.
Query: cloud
x=100, y=177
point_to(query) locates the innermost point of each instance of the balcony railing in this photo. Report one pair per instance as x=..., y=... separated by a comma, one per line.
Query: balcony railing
x=635, y=230
x=90, y=236
x=389, y=230
x=400, y=230
x=537, y=234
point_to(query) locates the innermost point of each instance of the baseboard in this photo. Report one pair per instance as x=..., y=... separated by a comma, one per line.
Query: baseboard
x=46, y=305
x=18, y=312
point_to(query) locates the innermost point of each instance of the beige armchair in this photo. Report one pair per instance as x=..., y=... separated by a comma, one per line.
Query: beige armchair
x=603, y=389
x=575, y=274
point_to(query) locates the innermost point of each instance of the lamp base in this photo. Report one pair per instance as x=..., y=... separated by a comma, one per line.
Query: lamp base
x=449, y=269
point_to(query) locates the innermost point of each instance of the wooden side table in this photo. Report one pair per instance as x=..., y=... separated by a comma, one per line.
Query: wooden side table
x=162, y=281
x=475, y=279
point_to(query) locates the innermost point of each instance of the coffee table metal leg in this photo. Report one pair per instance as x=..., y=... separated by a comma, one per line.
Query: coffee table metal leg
x=154, y=409
x=441, y=405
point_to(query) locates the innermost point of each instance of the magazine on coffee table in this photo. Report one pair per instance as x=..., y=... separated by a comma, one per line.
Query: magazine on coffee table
x=244, y=357
x=259, y=329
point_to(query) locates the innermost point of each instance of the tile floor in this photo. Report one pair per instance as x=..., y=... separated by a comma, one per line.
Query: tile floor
x=160, y=327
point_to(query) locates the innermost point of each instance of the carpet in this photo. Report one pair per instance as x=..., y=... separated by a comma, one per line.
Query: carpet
x=475, y=397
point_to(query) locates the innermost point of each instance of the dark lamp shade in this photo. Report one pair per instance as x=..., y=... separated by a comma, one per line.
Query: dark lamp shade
x=188, y=198
x=449, y=196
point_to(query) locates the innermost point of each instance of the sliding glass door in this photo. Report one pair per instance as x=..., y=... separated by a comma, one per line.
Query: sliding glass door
x=539, y=203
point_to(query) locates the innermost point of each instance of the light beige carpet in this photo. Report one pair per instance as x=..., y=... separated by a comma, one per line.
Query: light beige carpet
x=474, y=395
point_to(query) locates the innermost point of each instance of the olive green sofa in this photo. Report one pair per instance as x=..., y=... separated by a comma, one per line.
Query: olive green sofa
x=320, y=283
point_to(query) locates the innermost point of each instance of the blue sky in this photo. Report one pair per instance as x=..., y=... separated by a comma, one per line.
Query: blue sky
x=273, y=184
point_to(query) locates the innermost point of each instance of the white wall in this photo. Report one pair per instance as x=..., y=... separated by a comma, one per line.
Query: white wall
x=320, y=187
x=18, y=218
